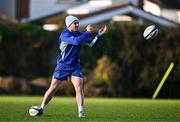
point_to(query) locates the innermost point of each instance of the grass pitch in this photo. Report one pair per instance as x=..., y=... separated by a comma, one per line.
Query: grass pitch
x=15, y=108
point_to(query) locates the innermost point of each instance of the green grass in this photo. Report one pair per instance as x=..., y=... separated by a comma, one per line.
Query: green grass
x=15, y=108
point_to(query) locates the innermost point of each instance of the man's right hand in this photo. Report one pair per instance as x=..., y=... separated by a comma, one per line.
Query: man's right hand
x=89, y=28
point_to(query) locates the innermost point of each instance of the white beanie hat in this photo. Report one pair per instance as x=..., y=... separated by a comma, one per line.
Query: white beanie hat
x=70, y=19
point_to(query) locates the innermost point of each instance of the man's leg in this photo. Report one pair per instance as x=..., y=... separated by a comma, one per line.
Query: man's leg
x=50, y=92
x=78, y=85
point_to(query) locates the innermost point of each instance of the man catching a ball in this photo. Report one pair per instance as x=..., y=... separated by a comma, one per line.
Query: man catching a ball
x=68, y=61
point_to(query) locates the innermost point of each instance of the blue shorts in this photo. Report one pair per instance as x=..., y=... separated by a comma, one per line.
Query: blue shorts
x=62, y=72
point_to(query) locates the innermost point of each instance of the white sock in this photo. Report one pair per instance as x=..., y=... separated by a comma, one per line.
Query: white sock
x=43, y=106
x=80, y=108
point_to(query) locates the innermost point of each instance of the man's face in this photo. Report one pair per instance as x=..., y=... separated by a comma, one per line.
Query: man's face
x=74, y=26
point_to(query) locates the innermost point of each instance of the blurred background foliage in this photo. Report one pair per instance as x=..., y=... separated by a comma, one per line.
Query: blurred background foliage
x=122, y=64
x=23, y=49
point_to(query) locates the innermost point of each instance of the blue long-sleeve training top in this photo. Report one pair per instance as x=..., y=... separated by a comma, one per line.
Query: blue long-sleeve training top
x=70, y=46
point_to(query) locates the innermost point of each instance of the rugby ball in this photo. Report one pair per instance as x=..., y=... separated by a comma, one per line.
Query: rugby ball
x=35, y=111
x=150, y=32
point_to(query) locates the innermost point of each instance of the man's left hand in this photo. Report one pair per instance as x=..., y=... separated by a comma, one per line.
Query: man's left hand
x=102, y=30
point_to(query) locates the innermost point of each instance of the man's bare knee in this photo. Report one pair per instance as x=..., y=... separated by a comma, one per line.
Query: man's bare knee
x=78, y=88
x=52, y=88
x=54, y=85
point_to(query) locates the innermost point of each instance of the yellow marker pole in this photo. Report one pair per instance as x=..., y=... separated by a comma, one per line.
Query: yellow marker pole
x=163, y=80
